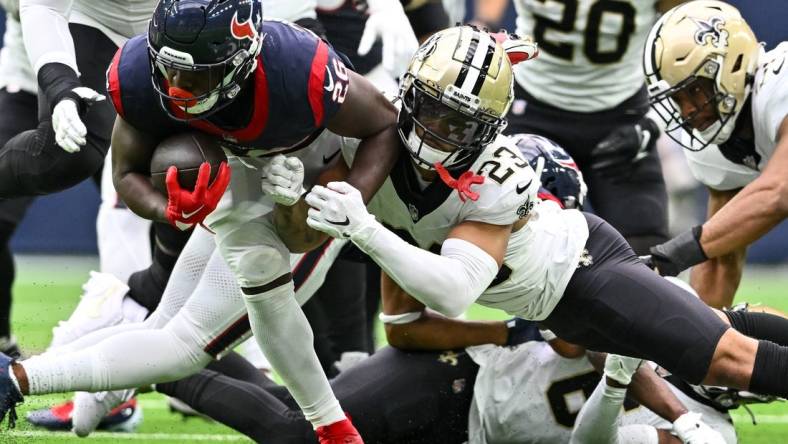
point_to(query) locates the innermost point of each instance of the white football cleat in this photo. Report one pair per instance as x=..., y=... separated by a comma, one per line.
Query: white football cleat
x=103, y=304
x=91, y=408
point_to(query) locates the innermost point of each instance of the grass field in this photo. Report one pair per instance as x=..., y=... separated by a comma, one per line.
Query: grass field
x=47, y=290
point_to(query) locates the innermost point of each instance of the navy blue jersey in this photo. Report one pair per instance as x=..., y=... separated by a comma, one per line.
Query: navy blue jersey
x=299, y=83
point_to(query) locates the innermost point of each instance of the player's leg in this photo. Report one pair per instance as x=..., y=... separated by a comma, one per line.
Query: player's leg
x=32, y=163
x=616, y=304
x=244, y=406
x=21, y=113
x=279, y=324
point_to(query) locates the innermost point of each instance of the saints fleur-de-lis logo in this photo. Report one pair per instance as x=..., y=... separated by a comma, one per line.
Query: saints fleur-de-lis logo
x=711, y=31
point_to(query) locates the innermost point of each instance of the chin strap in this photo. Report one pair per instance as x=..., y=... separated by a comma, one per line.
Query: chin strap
x=463, y=184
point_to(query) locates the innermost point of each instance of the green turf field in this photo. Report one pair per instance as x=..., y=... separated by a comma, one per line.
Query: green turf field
x=47, y=290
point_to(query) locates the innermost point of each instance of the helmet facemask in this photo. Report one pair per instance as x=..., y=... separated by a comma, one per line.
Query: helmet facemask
x=435, y=127
x=222, y=80
x=706, y=97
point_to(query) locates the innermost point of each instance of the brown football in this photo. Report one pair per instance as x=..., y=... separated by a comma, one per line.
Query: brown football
x=186, y=151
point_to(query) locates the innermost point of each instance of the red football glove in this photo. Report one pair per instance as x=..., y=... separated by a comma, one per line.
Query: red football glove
x=187, y=208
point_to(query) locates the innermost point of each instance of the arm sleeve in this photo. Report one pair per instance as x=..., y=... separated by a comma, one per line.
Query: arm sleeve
x=597, y=421
x=53, y=46
x=448, y=283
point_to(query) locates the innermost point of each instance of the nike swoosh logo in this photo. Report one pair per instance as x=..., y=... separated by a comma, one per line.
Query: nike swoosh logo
x=186, y=215
x=344, y=222
x=328, y=159
x=521, y=189
x=779, y=68
x=330, y=86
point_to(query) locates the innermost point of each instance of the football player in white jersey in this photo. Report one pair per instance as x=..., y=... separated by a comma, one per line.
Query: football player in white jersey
x=491, y=243
x=709, y=76
x=525, y=393
x=587, y=93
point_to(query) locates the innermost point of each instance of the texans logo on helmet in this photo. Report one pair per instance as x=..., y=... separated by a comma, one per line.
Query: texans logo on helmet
x=243, y=30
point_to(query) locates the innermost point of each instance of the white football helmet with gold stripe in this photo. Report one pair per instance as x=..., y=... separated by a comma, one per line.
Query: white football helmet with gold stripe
x=703, y=45
x=458, y=88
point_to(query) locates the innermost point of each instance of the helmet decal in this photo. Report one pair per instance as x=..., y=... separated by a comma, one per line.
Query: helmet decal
x=243, y=30
x=711, y=31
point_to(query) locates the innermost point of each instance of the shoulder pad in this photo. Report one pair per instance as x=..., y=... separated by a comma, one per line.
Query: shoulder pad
x=510, y=184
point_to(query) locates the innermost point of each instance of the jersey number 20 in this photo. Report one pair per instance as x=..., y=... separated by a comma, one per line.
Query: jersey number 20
x=591, y=34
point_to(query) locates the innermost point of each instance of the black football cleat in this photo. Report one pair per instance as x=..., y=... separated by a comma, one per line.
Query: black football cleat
x=9, y=394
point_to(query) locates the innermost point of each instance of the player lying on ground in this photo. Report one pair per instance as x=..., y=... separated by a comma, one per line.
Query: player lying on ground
x=477, y=395
x=493, y=244
x=726, y=101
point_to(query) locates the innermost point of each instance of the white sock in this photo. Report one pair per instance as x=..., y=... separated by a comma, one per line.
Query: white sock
x=126, y=360
x=284, y=335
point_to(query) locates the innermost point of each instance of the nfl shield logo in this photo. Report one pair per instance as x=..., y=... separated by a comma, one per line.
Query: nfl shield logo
x=414, y=212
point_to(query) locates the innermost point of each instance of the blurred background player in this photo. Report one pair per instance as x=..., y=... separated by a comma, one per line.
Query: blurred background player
x=588, y=73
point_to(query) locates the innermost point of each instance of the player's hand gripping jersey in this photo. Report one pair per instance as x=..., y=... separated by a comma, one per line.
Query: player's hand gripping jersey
x=737, y=162
x=299, y=83
x=589, y=51
x=541, y=256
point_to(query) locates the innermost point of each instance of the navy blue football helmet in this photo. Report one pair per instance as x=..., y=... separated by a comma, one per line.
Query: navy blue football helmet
x=214, y=44
x=560, y=174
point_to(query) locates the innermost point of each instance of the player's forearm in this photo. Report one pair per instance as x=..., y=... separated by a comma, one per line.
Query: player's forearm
x=448, y=282
x=648, y=389
x=753, y=212
x=375, y=157
x=435, y=332
x=290, y=224
x=139, y=195
x=716, y=280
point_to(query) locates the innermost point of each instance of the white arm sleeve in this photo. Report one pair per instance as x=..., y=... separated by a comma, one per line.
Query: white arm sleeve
x=597, y=422
x=448, y=283
x=45, y=32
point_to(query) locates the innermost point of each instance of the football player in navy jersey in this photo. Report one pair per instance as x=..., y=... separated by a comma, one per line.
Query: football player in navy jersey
x=261, y=89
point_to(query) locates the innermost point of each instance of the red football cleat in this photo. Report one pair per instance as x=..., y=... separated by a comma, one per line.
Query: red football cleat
x=340, y=432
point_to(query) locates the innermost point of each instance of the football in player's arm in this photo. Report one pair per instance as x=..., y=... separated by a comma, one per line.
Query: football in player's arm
x=736, y=131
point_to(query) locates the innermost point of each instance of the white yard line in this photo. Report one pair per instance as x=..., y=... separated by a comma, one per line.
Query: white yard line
x=180, y=437
x=743, y=418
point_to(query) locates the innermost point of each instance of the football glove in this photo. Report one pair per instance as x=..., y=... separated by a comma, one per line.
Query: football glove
x=387, y=21
x=692, y=430
x=337, y=210
x=678, y=254
x=624, y=147
x=185, y=208
x=283, y=180
x=70, y=132
x=621, y=368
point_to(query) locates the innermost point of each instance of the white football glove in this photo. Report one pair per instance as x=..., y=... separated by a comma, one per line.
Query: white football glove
x=70, y=132
x=337, y=210
x=283, y=179
x=621, y=368
x=387, y=21
x=691, y=430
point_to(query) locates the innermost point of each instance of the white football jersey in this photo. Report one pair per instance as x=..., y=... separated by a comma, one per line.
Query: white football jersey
x=720, y=169
x=15, y=71
x=289, y=10
x=589, y=51
x=541, y=256
x=529, y=394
